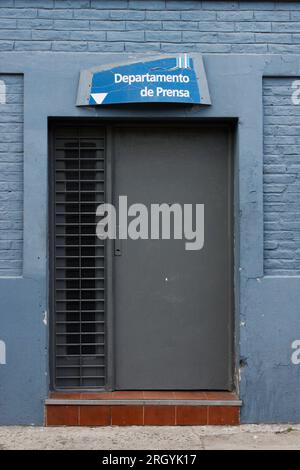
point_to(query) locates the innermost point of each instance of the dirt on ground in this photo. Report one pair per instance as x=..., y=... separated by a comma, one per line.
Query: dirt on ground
x=150, y=438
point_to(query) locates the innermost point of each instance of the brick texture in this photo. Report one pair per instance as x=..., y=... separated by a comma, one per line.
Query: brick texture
x=268, y=27
x=281, y=178
x=146, y=25
x=11, y=174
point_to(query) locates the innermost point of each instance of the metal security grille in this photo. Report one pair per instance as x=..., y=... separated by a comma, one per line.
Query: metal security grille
x=79, y=258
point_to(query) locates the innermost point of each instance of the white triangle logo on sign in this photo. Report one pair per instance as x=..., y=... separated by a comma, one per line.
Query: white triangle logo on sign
x=99, y=97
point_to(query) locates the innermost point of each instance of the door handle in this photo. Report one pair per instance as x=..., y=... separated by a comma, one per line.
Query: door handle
x=118, y=248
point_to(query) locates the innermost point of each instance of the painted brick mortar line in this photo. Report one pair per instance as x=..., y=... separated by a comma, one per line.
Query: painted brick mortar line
x=281, y=178
x=134, y=26
x=166, y=26
x=11, y=177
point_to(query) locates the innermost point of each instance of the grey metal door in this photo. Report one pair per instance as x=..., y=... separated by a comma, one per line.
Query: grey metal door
x=173, y=307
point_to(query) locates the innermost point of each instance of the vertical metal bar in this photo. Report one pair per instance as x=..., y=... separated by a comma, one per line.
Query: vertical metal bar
x=51, y=205
x=109, y=267
x=230, y=233
x=80, y=253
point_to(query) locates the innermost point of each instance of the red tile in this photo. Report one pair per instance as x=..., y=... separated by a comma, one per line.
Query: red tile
x=189, y=395
x=62, y=415
x=94, y=415
x=127, y=395
x=159, y=415
x=159, y=395
x=65, y=396
x=223, y=415
x=191, y=415
x=221, y=396
x=95, y=396
x=127, y=415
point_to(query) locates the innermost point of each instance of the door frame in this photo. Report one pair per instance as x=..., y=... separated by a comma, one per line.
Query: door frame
x=233, y=278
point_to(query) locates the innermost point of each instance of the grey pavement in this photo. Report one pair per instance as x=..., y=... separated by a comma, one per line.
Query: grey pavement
x=151, y=438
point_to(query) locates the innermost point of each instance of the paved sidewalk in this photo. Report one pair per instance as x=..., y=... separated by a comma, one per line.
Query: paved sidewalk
x=134, y=437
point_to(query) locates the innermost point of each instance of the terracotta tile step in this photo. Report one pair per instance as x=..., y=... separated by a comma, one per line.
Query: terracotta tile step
x=140, y=415
x=143, y=396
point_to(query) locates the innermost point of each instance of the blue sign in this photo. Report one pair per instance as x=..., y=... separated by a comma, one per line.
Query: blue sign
x=177, y=79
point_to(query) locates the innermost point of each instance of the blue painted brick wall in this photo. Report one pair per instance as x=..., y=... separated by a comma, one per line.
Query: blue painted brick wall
x=11, y=175
x=281, y=178
x=145, y=25
x=264, y=27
